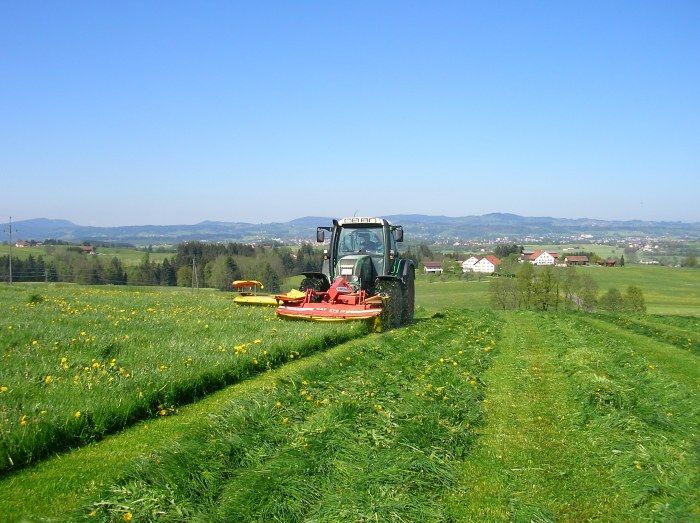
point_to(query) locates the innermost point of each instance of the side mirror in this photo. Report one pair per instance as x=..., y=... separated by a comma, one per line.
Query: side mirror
x=320, y=235
x=398, y=234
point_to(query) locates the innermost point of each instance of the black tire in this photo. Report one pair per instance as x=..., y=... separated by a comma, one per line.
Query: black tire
x=316, y=284
x=409, y=296
x=392, y=313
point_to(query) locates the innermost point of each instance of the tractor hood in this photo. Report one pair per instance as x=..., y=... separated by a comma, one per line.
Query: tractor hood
x=357, y=269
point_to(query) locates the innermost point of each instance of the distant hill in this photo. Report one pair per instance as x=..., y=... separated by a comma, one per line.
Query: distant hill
x=418, y=227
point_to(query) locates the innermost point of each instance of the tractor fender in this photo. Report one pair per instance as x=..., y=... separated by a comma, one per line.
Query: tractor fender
x=403, y=269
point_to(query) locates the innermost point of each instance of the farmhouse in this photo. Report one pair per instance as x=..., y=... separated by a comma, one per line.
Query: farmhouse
x=432, y=267
x=468, y=264
x=22, y=243
x=87, y=249
x=610, y=262
x=543, y=258
x=487, y=264
x=576, y=260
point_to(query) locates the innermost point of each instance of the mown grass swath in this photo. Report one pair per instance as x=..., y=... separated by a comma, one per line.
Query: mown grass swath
x=79, y=363
x=680, y=331
x=375, y=432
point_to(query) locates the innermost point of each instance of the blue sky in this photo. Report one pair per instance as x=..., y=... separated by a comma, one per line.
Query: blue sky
x=176, y=112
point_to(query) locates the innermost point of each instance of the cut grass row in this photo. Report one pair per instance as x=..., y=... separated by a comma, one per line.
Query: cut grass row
x=82, y=362
x=584, y=421
x=374, y=433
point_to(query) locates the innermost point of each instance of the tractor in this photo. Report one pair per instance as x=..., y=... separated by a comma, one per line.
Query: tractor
x=362, y=277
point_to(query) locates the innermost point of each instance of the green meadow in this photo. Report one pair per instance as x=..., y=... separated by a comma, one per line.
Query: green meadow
x=191, y=408
x=667, y=290
x=128, y=255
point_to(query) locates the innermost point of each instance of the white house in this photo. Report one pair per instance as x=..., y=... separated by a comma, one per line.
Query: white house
x=432, y=267
x=468, y=265
x=486, y=264
x=543, y=258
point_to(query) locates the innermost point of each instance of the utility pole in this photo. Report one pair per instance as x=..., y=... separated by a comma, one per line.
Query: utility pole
x=195, y=277
x=10, y=245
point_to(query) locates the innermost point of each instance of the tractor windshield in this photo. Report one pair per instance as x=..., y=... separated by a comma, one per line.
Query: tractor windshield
x=361, y=240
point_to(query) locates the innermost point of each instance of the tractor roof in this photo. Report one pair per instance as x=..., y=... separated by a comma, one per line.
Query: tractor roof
x=363, y=220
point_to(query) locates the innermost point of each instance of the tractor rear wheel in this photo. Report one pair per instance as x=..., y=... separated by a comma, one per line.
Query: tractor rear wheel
x=315, y=284
x=392, y=312
x=409, y=297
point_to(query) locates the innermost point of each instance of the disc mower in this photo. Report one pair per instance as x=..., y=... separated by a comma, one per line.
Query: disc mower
x=362, y=277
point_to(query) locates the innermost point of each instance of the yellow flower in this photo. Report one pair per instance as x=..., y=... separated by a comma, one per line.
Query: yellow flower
x=77, y=414
x=257, y=341
x=34, y=342
x=128, y=516
x=48, y=379
x=163, y=412
x=92, y=513
x=23, y=420
x=3, y=389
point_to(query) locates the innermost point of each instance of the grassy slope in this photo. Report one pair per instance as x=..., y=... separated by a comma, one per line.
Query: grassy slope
x=584, y=421
x=439, y=295
x=126, y=255
x=667, y=290
x=87, y=361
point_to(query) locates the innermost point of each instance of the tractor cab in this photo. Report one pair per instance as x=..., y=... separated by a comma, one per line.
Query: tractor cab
x=361, y=249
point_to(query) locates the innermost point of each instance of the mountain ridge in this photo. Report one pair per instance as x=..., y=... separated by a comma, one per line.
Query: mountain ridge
x=419, y=226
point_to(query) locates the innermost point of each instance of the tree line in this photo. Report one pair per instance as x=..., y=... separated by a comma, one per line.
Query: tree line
x=553, y=288
x=194, y=263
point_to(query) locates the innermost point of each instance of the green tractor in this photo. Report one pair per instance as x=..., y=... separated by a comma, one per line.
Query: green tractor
x=363, y=276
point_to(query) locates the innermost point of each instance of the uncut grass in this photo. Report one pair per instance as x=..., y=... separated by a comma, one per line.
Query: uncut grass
x=678, y=331
x=375, y=433
x=81, y=362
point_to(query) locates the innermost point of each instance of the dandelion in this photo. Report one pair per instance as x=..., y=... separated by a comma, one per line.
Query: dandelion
x=285, y=421
x=127, y=516
x=3, y=389
x=48, y=379
x=23, y=421
x=34, y=342
x=77, y=414
x=257, y=341
x=637, y=465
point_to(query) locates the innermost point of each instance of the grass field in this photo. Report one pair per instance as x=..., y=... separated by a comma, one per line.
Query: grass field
x=466, y=415
x=128, y=256
x=667, y=290
x=79, y=363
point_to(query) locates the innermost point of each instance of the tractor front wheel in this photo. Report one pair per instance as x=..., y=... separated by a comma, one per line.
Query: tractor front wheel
x=409, y=297
x=393, y=308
